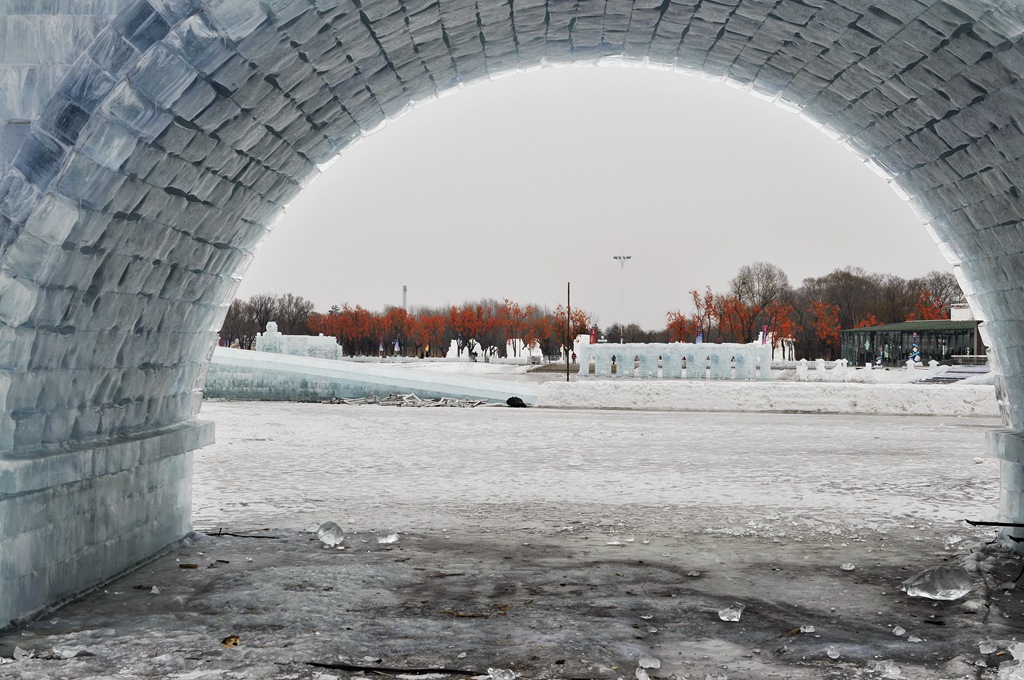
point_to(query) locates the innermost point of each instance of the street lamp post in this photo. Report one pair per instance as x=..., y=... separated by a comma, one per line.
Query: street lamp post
x=622, y=295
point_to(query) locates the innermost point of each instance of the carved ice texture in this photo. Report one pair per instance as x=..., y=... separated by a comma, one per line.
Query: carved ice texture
x=146, y=146
x=319, y=347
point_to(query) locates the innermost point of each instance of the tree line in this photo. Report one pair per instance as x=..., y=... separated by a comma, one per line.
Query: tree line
x=813, y=314
x=480, y=327
x=759, y=296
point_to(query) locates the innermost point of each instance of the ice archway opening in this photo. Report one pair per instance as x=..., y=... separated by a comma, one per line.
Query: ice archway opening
x=144, y=154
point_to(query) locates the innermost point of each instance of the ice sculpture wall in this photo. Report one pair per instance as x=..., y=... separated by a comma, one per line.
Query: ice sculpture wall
x=316, y=346
x=678, y=360
x=147, y=145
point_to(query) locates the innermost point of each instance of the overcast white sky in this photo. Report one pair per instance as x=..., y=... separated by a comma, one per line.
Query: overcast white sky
x=514, y=187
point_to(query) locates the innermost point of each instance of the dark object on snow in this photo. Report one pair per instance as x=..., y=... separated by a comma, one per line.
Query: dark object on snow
x=515, y=402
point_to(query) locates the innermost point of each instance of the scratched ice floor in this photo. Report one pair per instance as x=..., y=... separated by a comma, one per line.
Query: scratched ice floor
x=289, y=465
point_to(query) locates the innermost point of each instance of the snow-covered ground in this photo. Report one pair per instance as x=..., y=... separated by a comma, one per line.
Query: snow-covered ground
x=773, y=397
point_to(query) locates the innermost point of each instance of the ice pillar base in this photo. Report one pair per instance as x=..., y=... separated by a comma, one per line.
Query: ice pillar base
x=1008, y=446
x=73, y=519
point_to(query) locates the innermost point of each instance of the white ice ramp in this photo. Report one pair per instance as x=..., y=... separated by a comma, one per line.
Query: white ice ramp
x=243, y=374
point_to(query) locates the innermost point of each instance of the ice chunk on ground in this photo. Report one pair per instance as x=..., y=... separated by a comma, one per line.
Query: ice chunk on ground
x=330, y=534
x=648, y=661
x=887, y=668
x=944, y=582
x=833, y=652
x=898, y=630
x=731, y=613
x=987, y=647
x=806, y=629
x=847, y=566
x=384, y=539
x=501, y=674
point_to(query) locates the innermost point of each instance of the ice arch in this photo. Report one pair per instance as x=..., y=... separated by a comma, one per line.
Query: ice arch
x=146, y=145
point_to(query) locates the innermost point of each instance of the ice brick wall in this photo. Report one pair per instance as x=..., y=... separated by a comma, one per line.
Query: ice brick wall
x=141, y=167
x=136, y=200
x=76, y=518
x=39, y=41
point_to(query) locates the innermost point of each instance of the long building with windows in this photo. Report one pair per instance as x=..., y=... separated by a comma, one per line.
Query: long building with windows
x=948, y=341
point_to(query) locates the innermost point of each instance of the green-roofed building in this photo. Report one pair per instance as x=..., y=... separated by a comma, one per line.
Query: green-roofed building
x=948, y=341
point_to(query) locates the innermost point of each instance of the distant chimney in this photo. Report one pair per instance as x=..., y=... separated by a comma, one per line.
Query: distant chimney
x=405, y=298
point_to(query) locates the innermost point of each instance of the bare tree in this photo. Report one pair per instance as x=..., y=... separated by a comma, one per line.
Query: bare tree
x=758, y=286
x=239, y=327
x=943, y=288
x=263, y=309
x=852, y=290
x=895, y=298
x=292, y=314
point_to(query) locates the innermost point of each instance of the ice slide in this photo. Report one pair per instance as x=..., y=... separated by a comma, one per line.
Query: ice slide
x=243, y=374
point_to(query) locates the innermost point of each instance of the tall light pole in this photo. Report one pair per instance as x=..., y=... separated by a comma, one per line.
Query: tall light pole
x=622, y=292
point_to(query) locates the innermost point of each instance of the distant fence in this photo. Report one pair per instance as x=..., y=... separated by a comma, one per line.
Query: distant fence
x=677, y=361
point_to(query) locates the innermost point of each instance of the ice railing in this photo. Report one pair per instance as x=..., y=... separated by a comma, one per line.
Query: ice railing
x=678, y=361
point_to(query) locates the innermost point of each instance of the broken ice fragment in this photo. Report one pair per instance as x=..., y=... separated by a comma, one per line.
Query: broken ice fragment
x=575, y=460
x=887, y=668
x=389, y=538
x=154, y=590
x=330, y=534
x=641, y=674
x=987, y=648
x=648, y=661
x=898, y=630
x=69, y=652
x=731, y=613
x=847, y=566
x=833, y=652
x=914, y=638
x=944, y=582
x=806, y=629
x=501, y=674
x=693, y=574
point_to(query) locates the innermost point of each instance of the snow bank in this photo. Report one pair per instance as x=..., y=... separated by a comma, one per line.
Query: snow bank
x=789, y=397
x=465, y=367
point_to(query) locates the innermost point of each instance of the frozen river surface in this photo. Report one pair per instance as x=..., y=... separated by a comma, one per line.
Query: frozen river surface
x=289, y=465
